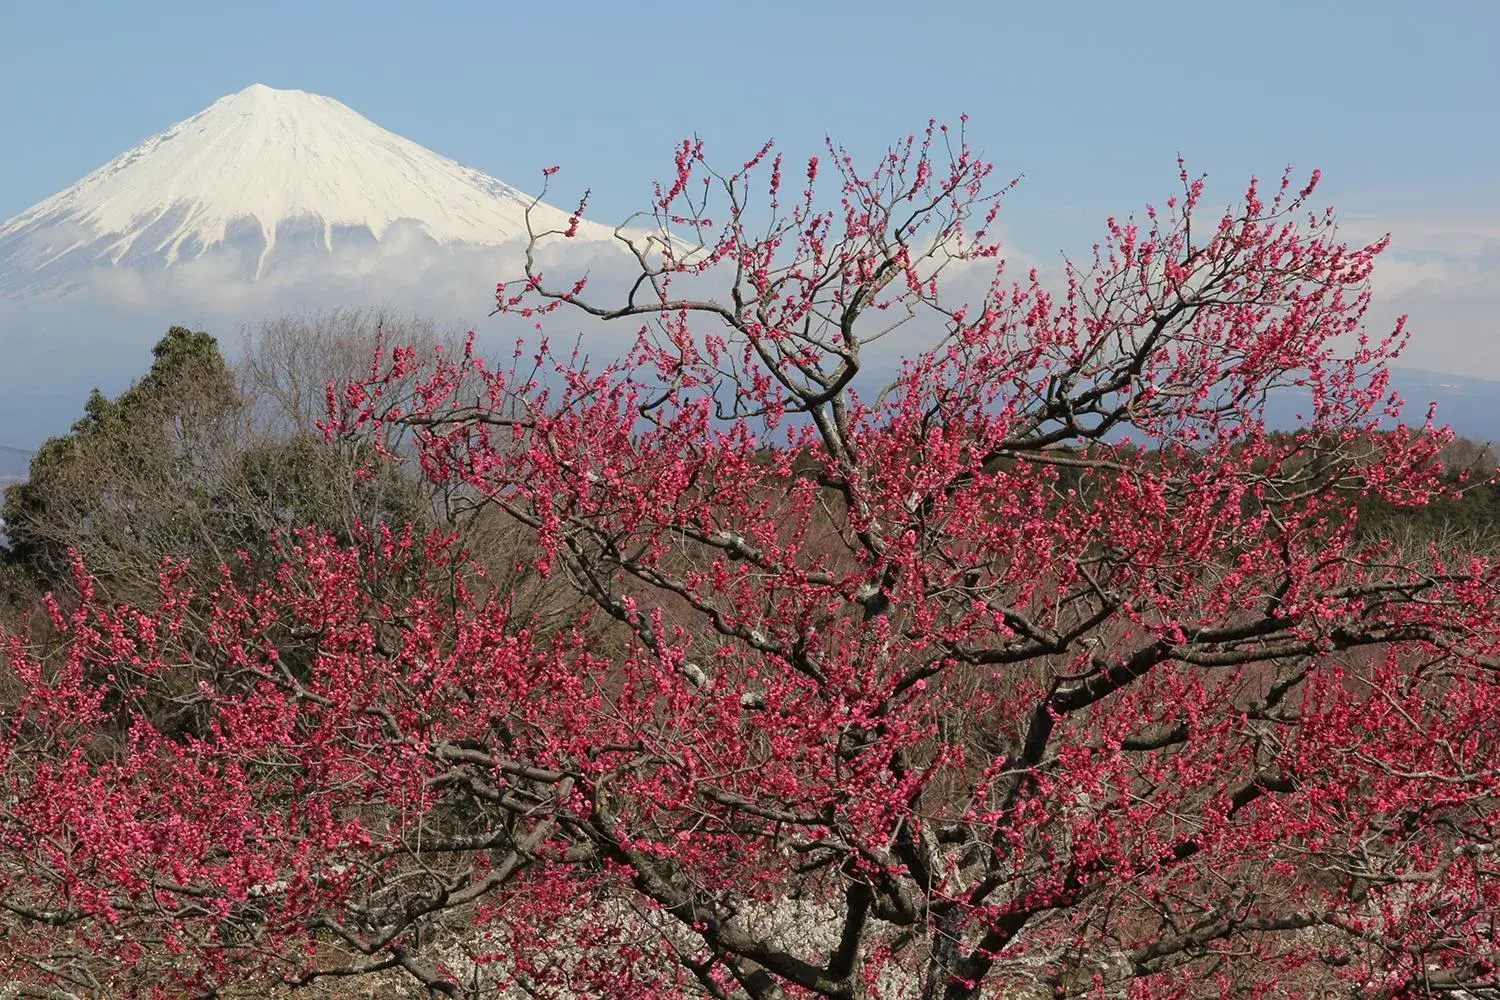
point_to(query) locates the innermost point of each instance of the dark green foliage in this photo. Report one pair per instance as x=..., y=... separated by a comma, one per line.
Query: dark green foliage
x=103, y=483
x=278, y=485
x=1471, y=516
x=175, y=468
x=183, y=467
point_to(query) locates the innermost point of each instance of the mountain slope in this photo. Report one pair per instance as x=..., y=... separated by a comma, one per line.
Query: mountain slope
x=14, y=464
x=261, y=176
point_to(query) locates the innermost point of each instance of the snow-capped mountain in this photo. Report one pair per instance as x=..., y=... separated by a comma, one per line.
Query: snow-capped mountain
x=260, y=178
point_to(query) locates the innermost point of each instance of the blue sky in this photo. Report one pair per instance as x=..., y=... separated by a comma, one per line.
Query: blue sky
x=1395, y=101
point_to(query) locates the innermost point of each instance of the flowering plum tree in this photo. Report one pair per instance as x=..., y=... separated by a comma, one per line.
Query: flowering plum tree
x=1044, y=670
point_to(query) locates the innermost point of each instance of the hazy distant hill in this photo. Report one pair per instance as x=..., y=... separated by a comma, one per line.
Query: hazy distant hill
x=14, y=464
x=1471, y=406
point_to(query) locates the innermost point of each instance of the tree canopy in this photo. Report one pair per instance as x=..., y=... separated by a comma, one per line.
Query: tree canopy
x=151, y=431
x=1047, y=671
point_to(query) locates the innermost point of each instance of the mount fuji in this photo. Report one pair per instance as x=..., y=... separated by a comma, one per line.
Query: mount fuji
x=260, y=182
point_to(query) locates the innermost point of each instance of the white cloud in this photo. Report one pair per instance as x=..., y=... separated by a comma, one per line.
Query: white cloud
x=54, y=350
x=1443, y=272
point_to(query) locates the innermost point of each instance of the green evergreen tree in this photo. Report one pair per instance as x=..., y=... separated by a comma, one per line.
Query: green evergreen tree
x=93, y=488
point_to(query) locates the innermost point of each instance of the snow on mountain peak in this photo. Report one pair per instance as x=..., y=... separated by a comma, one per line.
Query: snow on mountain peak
x=256, y=171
